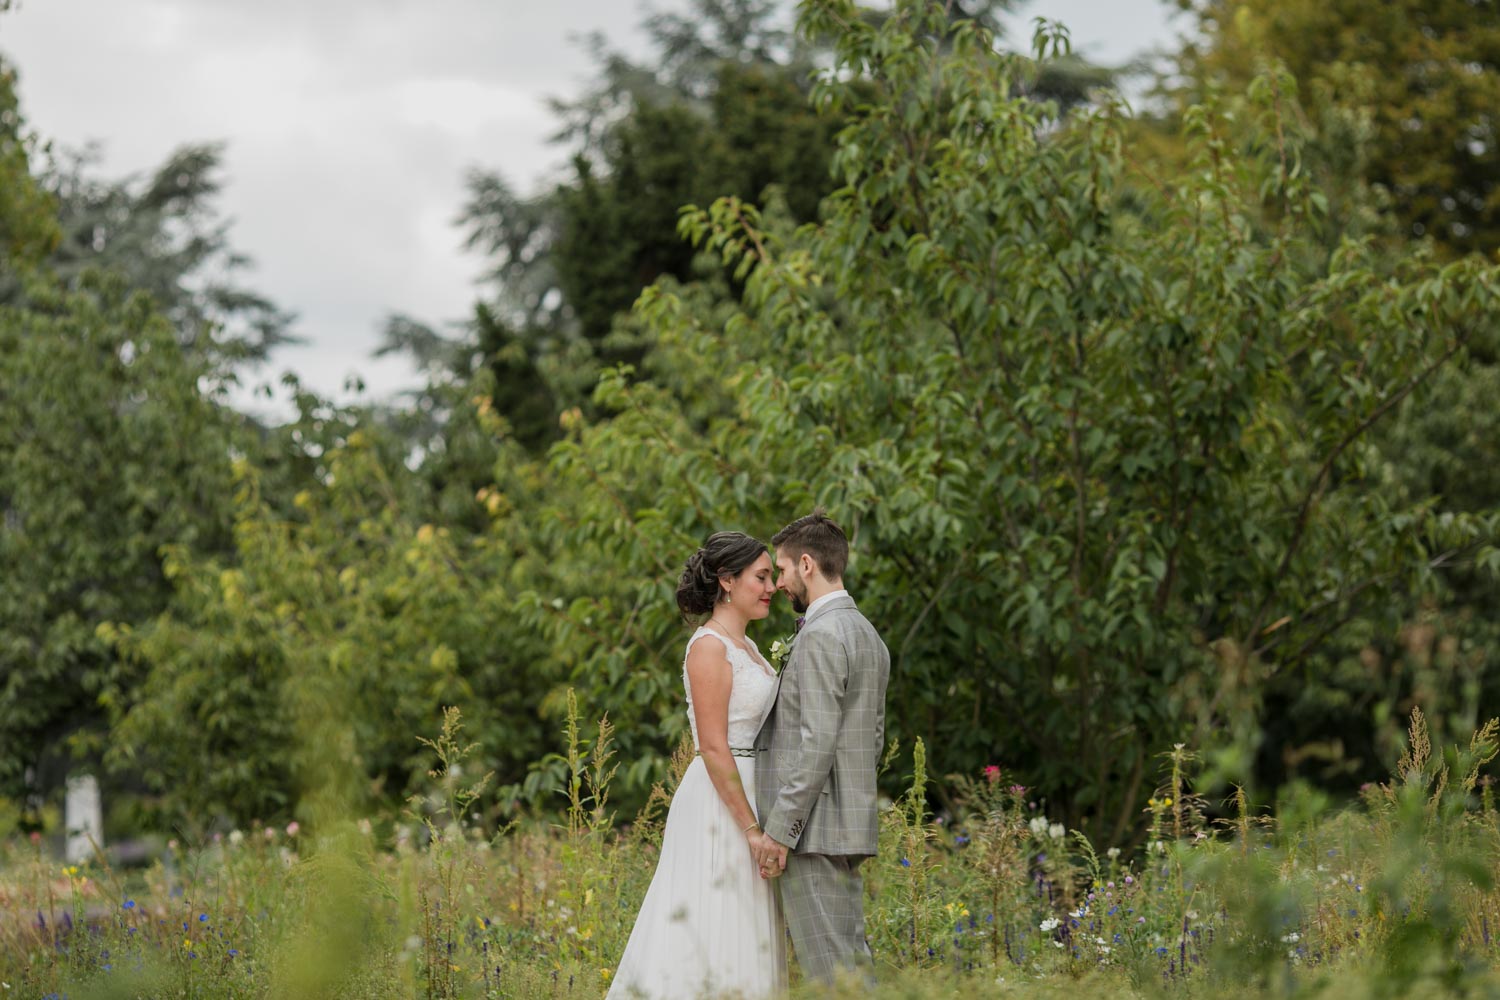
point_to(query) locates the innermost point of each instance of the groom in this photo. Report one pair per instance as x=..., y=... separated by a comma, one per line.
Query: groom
x=817, y=753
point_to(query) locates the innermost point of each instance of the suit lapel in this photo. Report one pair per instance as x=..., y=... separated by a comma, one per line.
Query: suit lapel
x=791, y=657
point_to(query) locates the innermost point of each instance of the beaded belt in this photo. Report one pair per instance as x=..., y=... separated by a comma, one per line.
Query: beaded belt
x=734, y=751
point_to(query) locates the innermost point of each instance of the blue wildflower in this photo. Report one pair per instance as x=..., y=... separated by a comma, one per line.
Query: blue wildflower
x=129, y=904
x=905, y=863
x=202, y=918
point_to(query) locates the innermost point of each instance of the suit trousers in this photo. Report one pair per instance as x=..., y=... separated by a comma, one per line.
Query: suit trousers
x=823, y=899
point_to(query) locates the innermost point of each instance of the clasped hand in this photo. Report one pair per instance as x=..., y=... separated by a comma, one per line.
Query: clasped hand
x=769, y=855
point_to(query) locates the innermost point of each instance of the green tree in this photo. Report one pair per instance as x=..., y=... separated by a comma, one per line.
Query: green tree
x=163, y=234
x=28, y=223
x=1104, y=445
x=118, y=320
x=1424, y=74
x=314, y=652
x=721, y=109
x=108, y=452
x=1398, y=102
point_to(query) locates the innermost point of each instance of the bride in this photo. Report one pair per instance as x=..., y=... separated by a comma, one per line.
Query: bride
x=710, y=925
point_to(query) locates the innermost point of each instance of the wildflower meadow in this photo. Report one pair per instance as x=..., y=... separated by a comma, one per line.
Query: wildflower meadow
x=1389, y=896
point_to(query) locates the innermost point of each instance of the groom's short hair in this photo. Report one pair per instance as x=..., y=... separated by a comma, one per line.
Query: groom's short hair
x=819, y=536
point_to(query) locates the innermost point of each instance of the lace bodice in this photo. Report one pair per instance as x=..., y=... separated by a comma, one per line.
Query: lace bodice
x=753, y=686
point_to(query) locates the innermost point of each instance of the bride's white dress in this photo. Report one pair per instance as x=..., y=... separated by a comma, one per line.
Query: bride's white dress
x=709, y=926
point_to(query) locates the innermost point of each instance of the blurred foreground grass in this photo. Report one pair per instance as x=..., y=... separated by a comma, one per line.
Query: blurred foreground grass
x=1392, y=897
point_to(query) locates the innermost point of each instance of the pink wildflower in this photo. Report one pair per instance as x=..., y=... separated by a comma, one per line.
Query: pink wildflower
x=992, y=773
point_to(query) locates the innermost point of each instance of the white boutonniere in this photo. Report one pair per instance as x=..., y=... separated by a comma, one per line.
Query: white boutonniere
x=780, y=649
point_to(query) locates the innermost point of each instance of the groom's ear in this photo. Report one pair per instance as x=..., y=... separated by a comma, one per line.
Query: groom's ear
x=808, y=565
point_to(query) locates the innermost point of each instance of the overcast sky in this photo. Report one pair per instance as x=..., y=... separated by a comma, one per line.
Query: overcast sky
x=349, y=126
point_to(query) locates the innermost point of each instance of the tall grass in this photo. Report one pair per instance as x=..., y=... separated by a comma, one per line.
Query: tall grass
x=1391, y=896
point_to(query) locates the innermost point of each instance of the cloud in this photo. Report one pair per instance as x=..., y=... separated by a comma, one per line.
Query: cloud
x=349, y=127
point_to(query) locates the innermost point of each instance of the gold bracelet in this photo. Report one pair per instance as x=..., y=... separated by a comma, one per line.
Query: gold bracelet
x=752, y=826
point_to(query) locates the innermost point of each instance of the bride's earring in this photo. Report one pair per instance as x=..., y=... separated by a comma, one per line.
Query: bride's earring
x=726, y=597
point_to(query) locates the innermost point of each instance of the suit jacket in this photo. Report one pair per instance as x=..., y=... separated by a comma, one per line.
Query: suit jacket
x=821, y=740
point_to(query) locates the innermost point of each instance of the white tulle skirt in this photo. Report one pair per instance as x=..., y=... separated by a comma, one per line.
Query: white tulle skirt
x=709, y=926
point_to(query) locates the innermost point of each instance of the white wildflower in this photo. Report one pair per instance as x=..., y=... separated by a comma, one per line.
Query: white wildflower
x=1112, y=853
x=1050, y=924
x=1057, y=830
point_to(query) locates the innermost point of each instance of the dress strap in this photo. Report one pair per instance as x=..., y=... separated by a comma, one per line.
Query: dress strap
x=705, y=630
x=730, y=646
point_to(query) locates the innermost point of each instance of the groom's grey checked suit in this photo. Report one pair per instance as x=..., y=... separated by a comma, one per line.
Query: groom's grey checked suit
x=817, y=754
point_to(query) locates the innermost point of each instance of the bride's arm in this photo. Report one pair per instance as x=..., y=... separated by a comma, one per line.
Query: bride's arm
x=712, y=679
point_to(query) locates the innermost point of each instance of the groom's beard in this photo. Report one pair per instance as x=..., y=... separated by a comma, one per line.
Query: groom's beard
x=799, y=601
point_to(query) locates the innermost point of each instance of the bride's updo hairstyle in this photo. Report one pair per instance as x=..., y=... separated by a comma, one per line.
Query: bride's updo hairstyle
x=726, y=553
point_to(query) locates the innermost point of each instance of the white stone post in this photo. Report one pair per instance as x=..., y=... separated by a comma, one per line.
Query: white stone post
x=84, y=818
